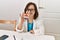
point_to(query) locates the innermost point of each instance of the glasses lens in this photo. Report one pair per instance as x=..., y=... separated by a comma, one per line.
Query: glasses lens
x=30, y=9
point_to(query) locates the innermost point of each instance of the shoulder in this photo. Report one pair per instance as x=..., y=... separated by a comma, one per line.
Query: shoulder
x=38, y=21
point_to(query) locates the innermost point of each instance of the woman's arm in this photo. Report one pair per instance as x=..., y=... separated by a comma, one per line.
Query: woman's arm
x=19, y=26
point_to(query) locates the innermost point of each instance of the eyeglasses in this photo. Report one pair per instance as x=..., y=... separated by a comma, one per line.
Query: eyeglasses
x=30, y=10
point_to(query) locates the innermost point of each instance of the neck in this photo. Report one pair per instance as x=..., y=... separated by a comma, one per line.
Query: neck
x=30, y=20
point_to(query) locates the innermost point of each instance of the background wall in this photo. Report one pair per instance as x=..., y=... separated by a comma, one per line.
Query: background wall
x=49, y=11
x=10, y=9
x=51, y=15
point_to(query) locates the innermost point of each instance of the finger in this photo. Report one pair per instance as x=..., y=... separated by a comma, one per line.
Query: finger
x=32, y=32
x=24, y=14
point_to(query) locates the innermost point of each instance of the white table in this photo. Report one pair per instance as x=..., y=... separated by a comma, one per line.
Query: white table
x=25, y=36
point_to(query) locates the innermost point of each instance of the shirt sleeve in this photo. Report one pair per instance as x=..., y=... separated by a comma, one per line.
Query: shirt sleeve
x=18, y=24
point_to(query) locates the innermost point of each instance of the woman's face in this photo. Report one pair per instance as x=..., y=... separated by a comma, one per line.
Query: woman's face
x=31, y=10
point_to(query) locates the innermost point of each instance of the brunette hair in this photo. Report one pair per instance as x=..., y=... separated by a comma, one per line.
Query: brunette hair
x=36, y=11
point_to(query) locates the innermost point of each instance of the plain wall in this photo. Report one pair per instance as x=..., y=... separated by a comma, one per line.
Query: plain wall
x=10, y=9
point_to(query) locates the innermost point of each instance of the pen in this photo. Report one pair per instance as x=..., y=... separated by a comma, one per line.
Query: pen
x=14, y=37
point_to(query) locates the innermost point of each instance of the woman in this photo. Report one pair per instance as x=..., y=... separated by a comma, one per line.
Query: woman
x=28, y=20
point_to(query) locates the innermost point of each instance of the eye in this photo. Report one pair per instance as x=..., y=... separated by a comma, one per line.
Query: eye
x=30, y=9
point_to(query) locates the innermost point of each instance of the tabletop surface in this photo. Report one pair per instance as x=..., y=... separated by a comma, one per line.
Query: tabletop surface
x=24, y=36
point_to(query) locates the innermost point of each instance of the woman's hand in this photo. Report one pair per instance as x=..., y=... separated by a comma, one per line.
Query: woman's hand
x=32, y=31
x=22, y=17
x=21, y=21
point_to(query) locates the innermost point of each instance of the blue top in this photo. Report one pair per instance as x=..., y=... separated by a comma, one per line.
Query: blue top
x=30, y=26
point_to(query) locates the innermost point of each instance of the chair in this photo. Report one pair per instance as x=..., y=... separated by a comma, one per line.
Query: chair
x=9, y=22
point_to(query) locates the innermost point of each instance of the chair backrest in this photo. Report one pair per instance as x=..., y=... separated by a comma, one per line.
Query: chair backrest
x=9, y=22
